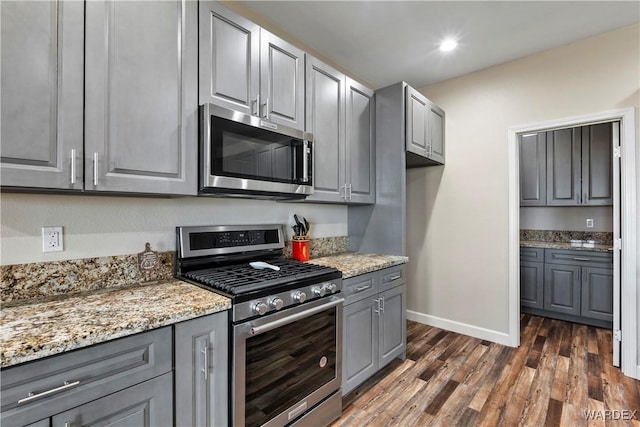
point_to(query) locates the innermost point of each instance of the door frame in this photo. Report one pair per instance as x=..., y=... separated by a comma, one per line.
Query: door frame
x=628, y=179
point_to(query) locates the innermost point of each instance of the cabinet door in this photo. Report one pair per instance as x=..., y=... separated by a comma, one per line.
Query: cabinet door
x=42, y=423
x=281, y=81
x=201, y=367
x=141, y=96
x=435, y=148
x=533, y=169
x=597, y=293
x=417, y=109
x=360, y=348
x=42, y=52
x=229, y=49
x=325, y=119
x=531, y=284
x=392, y=325
x=597, y=163
x=360, y=159
x=563, y=167
x=147, y=404
x=562, y=288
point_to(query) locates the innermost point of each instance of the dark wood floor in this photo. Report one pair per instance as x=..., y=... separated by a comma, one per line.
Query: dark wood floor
x=560, y=370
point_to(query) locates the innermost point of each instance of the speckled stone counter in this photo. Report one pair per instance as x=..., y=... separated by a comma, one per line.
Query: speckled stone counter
x=354, y=263
x=32, y=329
x=566, y=245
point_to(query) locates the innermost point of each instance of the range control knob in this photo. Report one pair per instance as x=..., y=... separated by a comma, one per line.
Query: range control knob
x=276, y=303
x=299, y=296
x=259, y=308
x=330, y=287
x=319, y=291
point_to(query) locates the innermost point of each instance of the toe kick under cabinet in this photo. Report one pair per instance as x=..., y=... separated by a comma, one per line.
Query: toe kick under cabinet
x=567, y=284
x=374, y=327
x=128, y=381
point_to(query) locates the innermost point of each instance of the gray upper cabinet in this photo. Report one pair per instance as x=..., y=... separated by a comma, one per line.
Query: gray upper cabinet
x=229, y=55
x=141, y=97
x=340, y=115
x=579, y=166
x=425, y=141
x=42, y=45
x=533, y=169
x=246, y=68
x=325, y=119
x=360, y=153
x=201, y=369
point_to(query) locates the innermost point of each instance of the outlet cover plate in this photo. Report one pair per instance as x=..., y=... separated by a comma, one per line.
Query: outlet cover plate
x=590, y=222
x=52, y=239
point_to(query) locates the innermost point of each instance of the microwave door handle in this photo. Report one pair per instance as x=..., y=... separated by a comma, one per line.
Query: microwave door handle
x=305, y=161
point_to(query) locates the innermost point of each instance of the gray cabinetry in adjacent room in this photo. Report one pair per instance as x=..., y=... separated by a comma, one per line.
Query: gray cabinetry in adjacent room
x=246, y=68
x=532, y=277
x=340, y=115
x=597, y=293
x=42, y=77
x=201, y=370
x=374, y=327
x=425, y=142
x=579, y=166
x=141, y=99
x=562, y=288
x=533, y=169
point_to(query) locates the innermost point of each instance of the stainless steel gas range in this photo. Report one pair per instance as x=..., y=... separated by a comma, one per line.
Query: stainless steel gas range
x=286, y=332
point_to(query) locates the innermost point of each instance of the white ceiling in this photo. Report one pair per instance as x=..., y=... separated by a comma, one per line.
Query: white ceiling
x=384, y=42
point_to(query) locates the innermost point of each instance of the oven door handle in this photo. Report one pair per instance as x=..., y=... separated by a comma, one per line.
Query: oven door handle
x=256, y=330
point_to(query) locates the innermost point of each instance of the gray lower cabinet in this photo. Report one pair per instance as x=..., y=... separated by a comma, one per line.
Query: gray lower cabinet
x=42, y=82
x=567, y=284
x=340, y=115
x=148, y=404
x=374, y=327
x=533, y=169
x=141, y=97
x=246, y=68
x=425, y=143
x=579, y=166
x=201, y=370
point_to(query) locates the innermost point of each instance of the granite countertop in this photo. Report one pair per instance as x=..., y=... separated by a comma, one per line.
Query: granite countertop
x=594, y=247
x=355, y=263
x=36, y=328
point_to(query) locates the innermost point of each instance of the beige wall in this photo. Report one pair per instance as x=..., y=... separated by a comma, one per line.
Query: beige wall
x=567, y=218
x=458, y=214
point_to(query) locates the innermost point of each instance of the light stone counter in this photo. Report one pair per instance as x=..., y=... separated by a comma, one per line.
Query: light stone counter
x=354, y=263
x=596, y=247
x=36, y=328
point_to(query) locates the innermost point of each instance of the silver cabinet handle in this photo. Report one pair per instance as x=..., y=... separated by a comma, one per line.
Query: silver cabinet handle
x=396, y=277
x=205, y=369
x=343, y=195
x=73, y=166
x=256, y=330
x=33, y=396
x=377, y=301
x=95, y=169
x=255, y=109
x=68, y=424
x=362, y=288
x=265, y=111
x=349, y=194
x=581, y=259
x=382, y=304
x=305, y=160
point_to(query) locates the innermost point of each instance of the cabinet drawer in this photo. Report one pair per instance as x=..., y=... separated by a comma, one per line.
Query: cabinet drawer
x=358, y=287
x=35, y=390
x=391, y=277
x=580, y=258
x=532, y=254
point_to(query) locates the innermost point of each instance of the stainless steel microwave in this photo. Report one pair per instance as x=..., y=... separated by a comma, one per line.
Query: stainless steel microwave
x=247, y=156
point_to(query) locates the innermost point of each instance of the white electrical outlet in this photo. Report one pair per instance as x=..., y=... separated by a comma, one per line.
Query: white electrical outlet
x=52, y=239
x=589, y=222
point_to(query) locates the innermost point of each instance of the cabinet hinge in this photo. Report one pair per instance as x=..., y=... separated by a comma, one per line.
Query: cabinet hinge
x=617, y=244
x=617, y=335
x=617, y=152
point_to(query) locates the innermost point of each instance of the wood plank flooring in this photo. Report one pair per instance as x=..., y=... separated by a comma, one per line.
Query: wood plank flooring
x=560, y=370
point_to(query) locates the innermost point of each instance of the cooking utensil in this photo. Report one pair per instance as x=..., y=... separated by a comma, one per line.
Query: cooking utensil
x=306, y=225
x=303, y=230
x=260, y=265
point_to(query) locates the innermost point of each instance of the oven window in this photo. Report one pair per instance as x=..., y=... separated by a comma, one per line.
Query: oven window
x=243, y=151
x=287, y=364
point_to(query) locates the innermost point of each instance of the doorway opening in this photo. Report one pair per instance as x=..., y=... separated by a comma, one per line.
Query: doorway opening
x=621, y=220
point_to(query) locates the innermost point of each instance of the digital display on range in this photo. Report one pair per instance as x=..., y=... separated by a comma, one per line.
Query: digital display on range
x=228, y=239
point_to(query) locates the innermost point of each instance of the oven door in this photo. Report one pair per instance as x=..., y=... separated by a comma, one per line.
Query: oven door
x=286, y=363
x=241, y=153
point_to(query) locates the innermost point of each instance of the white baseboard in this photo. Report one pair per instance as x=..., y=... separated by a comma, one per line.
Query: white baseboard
x=460, y=328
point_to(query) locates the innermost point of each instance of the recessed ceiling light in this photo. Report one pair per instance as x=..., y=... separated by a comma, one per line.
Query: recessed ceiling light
x=448, y=45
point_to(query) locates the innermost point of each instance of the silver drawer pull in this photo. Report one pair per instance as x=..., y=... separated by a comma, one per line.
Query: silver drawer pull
x=362, y=288
x=581, y=259
x=33, y=396
x=396, y=277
